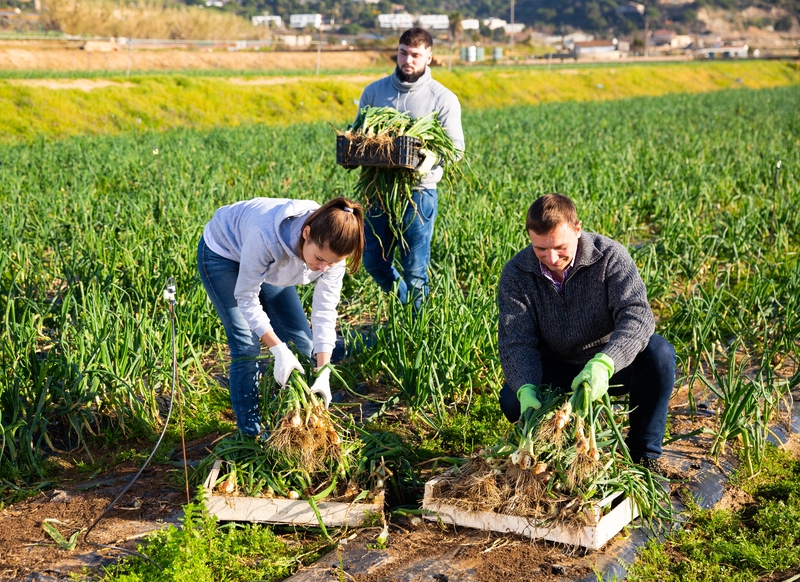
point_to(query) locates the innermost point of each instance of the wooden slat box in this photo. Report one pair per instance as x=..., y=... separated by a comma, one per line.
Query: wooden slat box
x=285, y=511
x=592, y=537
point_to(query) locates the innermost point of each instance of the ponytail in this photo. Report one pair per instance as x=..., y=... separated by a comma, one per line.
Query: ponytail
x=339, y=226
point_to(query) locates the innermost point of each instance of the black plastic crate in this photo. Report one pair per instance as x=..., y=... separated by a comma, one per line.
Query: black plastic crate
x=404, y=154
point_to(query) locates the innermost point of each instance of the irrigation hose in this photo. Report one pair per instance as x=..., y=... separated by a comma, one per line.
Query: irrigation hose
x=169, y=296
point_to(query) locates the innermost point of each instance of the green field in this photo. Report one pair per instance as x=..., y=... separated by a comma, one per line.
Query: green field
x=94, y=226
x=43, y=104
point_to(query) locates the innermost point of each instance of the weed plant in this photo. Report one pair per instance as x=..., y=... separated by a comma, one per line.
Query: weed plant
x=203, y=551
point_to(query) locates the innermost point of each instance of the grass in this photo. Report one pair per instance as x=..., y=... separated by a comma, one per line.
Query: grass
x=202, y=551
x=146, y=102
x=735, y=545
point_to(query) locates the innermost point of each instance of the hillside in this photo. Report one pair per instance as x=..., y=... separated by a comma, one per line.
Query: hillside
x=596, y=16
x=231, y=18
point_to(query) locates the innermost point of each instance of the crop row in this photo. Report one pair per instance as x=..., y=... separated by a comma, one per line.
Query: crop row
x=94, y=226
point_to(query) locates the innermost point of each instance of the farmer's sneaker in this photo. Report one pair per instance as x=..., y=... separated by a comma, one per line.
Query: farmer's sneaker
x=652, y=465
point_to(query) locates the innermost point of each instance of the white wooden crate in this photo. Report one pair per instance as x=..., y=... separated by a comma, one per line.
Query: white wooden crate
x=284, y=511
x=592, y=537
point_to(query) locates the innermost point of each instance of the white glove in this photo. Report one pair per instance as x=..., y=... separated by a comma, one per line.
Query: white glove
x=426, y=165
x=322, y=386
x=285, y=362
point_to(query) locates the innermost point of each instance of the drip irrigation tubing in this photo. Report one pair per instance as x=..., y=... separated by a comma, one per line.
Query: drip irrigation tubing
x=169, y=296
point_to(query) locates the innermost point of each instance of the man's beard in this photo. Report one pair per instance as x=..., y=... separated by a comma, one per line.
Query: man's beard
x=409, y=77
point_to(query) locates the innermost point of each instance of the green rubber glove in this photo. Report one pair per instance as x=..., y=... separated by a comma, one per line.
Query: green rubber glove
x=596, y=374
x=528, y=398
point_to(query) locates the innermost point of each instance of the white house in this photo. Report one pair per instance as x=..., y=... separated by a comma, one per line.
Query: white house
x=722, y=52
x=470, y=24
x=303, y=20
x=515, y=28
x=493, y=23
x=681, y=41
x=433, y=21
x=595, y=47
x=268, y=21
x=295, y=39
x=571, y=39
x=395, y=21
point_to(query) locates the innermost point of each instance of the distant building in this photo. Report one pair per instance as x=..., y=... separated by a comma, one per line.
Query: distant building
x=295, y=39
x=722, y=52
x=470, y=24
x=395, y=21
x=303, y=20
x=515, y=28
x=571, y=39
x=494, y=23
x=594, y=47
x=662, y=36
x=268, y=21
x=553, y=39
x=433, y=21
x=681, y=41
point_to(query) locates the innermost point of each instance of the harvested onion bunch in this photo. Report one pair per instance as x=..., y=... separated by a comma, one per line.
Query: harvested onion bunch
x=391, y=188
x=304, y=453
x=557, y=463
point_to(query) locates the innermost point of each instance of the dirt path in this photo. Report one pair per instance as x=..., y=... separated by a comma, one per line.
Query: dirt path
x=18, y=56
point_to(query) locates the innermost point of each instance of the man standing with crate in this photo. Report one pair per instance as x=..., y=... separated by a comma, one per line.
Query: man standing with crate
x=412, y=90
x=574, y=314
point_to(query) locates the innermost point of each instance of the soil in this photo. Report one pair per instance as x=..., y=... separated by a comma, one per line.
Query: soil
x=153, y=502
x=416, y=550
x=432, y=553
x=58, y=56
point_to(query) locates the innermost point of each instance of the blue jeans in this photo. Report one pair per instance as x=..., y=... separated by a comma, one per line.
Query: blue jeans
x=415, y=253
x=285, y=312
x=649, y=380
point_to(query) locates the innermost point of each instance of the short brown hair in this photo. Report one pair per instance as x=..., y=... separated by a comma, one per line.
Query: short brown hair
x=339, y=226
x=416, y=36
x=549, y=211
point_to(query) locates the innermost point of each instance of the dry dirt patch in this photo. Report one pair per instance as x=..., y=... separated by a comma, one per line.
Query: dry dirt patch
x=82, y=84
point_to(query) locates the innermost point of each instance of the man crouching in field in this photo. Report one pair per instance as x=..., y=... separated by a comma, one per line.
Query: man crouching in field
x=573, y=309
x=410, y=89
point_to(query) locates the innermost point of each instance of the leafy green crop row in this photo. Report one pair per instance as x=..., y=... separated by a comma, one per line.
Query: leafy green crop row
x=94, y=226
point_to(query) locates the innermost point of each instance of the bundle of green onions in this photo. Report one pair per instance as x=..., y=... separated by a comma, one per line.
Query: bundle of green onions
x=391, y=188
x=555, y=466
x=309, y=454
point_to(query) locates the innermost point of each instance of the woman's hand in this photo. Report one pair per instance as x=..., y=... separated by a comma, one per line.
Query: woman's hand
x=322, y=386
x=285, y=362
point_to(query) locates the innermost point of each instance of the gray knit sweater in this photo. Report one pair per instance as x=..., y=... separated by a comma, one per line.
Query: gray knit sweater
x=603, y=308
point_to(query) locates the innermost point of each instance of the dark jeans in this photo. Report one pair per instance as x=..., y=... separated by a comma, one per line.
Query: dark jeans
x=286, y=315
x=380, y=244
x=649, y=380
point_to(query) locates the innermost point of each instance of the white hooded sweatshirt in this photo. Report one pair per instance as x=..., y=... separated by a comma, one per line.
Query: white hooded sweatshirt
x=263, y=236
